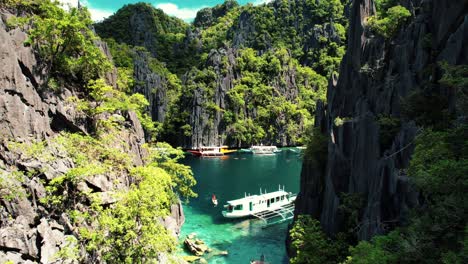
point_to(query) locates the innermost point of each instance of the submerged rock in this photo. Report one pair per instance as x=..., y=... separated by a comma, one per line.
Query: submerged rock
x=195, y=246
x=191, y=259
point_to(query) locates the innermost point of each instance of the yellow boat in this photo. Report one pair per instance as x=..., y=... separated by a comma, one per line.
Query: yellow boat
x=225, y=150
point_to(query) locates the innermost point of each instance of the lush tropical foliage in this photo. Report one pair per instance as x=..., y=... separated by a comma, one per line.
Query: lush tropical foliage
x=122, y=222
x=390, y=17
x=301, y=40
x=312, y=246
x=437, y=231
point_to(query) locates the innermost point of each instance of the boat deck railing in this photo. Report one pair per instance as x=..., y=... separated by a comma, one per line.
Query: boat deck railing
x=282, y=214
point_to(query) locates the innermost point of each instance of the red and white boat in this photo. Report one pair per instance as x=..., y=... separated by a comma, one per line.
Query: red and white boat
x=207, y=152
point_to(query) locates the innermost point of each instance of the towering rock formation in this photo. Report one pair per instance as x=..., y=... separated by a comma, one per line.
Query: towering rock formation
x=30, y=232
x=205, y=60
x=367, y=157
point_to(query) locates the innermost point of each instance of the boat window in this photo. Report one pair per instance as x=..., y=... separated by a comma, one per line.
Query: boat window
x=282, y=197
x=277, y=199
x=272, y=200
x=238, y=207
x=229, y=208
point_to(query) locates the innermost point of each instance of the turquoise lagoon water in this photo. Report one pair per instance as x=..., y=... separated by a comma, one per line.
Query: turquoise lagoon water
x=229, y=178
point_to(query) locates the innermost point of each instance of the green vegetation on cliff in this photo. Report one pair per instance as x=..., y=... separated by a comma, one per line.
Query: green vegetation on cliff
x=255, y=72
x=143, y=25
x=312, y=246
x=436, y=231
x=64, y=41
x=121, y=222
x=390, y=17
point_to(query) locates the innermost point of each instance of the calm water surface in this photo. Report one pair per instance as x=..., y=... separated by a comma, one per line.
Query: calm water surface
x=229, y=178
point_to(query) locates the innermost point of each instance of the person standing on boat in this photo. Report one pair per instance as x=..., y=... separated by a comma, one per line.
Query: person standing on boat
x=214, y=200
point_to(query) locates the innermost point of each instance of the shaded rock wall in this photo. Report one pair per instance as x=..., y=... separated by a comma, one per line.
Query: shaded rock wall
x=29, y=233
x=375, y=75
x=152, y=85
x=209, y=130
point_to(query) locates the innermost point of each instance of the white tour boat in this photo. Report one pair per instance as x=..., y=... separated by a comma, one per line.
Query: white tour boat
x=252, y=205
x=265, y=150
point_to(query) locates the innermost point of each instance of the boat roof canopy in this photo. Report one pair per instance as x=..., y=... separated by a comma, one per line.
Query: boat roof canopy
x=257, y=197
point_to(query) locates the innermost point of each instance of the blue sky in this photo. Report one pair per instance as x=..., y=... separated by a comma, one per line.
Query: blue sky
x=183, y=9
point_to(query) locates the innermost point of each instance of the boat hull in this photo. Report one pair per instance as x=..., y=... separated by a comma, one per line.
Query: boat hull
x=199, y=153
x=228, y=151
x=263, y=153
x=195, y=152
x=264, y=150
x=259, y=209
x=211, y=155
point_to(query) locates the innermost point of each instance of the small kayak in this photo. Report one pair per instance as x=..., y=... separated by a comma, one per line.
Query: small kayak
x=214, y=200
x=261, y=261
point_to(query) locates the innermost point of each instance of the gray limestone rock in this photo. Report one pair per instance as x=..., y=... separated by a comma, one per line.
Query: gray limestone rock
x=175, y=220
x=375, y=75
x=19, y=238
x=50, y=240
x=30, y=232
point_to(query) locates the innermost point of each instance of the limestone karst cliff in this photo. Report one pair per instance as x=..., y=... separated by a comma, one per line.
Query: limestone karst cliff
x=366, y=156
x=33, y=230
x=248, y=74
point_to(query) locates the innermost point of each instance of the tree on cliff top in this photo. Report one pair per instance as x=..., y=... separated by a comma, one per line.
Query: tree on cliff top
x=64, y=40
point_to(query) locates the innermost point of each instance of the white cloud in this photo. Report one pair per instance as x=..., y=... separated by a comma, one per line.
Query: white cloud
x=260, y=2
x=182, y=13
x=99, y=14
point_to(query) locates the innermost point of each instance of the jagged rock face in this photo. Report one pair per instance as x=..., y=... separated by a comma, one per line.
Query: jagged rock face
x=17, y=101
x=247, y=31
x=207, y=127
x=374, y=75
x=28, y=112
x=204, y=131
x=244, y=30
x=152, y=85
x=208, y=16
x=327, y=31
x=143, y=25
